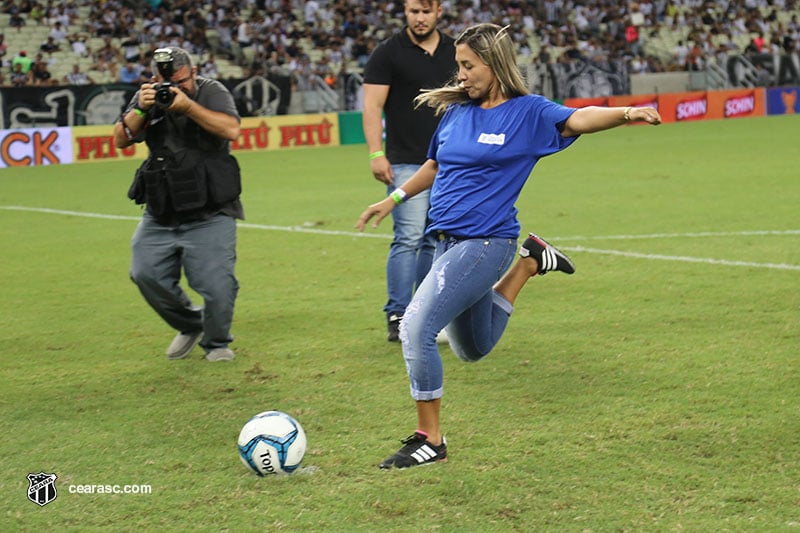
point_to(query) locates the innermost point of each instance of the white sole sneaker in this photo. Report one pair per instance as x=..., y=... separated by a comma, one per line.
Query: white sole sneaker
x=220, y=354
x=183, y=344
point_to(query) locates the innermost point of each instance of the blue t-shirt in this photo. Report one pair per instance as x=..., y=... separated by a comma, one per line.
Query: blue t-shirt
x=485, y=157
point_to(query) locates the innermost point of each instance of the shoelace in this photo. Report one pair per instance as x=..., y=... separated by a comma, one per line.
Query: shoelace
x=412, y=443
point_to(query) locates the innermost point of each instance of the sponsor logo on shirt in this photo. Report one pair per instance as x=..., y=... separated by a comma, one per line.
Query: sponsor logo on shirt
x=492, y=138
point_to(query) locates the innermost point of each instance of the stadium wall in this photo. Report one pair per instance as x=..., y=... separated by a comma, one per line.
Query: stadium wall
x=49, y=144
x=659, y=82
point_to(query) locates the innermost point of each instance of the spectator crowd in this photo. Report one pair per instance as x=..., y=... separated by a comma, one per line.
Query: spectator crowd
x=318, y=39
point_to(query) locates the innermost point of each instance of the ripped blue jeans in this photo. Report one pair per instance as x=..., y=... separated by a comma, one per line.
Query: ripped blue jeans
x=456, y=293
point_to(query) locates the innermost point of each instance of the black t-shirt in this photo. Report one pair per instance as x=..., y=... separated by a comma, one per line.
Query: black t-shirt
x=407, y=68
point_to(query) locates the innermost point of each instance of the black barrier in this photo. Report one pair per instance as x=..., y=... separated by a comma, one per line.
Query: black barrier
x=69, y=105
x=87, y=105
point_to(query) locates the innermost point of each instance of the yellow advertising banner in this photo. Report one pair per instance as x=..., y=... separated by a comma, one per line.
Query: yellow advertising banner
x=288, y=131
x=96, y=143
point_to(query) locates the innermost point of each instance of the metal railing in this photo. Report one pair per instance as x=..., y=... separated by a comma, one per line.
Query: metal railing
x=742, y=72
x=319, y=97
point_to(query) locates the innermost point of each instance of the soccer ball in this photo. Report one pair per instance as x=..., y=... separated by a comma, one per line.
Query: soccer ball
x=272, y=442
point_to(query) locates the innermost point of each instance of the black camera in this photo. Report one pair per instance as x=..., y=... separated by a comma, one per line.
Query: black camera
x=164, y=97
x=164, y=58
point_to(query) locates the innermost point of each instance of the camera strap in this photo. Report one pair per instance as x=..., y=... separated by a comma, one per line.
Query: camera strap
x=126, y=130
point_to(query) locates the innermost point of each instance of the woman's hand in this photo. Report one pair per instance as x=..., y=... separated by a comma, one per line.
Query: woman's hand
x=377, y=211
x=644, y=114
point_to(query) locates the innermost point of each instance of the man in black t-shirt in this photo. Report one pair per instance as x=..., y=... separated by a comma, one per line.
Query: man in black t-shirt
x=417, y=57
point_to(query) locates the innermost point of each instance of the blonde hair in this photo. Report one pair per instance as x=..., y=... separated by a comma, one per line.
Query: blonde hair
x=494, y=46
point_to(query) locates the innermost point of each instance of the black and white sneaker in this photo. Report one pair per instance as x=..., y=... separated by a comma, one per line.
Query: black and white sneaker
x=393, y=327
x=417, y=451
x=548, y=256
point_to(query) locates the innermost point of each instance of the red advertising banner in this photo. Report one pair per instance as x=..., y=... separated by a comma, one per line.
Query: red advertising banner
x=696, y=105
x=737, y=103
x=682, y=107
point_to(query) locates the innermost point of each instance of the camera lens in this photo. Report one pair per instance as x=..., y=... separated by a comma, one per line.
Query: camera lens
x=164, y=97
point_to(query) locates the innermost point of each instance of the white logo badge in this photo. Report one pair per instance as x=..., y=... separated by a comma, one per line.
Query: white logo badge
x=492, y=138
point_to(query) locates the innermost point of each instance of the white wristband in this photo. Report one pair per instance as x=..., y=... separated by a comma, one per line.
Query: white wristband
x=399, y=196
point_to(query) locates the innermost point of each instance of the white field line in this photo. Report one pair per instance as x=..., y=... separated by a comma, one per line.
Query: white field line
x=367, y=234
x=684, y=259
x=298, y=229
x=679, y=235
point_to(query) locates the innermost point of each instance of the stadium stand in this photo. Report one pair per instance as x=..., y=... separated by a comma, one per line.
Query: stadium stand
x=329, y=38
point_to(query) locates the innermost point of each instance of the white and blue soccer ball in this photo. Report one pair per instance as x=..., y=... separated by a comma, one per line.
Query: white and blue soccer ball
x=272, y=442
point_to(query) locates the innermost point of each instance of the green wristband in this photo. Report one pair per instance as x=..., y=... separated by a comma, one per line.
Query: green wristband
x=375, y=155
x=399, y=196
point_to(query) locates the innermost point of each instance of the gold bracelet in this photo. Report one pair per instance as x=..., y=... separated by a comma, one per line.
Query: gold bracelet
x=627, y=114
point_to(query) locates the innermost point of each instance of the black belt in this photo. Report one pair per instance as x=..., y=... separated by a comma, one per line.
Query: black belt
x=441, y=235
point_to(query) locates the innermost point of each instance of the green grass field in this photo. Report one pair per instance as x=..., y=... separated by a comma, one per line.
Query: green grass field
x=654, y=390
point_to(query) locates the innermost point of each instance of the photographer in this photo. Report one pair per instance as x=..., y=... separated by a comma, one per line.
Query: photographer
x=191, y=185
